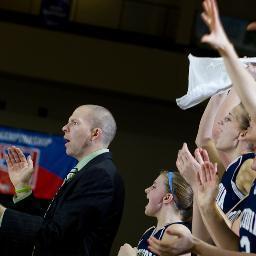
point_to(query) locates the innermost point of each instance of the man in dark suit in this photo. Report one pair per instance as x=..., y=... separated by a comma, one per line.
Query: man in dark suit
x=84, y=216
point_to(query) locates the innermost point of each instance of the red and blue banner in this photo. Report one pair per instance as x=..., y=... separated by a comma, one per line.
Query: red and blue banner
x=48, y=154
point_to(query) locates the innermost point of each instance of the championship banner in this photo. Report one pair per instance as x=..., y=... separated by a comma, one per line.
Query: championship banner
x=48, y=154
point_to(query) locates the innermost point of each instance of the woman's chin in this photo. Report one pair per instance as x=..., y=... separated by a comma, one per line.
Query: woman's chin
x=146, y=210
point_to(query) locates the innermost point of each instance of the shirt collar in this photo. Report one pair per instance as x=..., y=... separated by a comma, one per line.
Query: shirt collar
x=84, y=161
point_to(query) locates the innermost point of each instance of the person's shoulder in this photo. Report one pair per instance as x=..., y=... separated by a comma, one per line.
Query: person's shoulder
x=103, y=161
x=175, y=227
x=103, y=170
x=106, y=167
x=246, y=166
x=245, y=176
x=102, y=176
x=178, y=226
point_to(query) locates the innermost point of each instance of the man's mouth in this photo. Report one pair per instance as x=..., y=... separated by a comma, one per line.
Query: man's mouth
x=66, y=141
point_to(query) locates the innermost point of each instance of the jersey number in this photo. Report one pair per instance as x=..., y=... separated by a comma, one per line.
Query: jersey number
x=245, y=244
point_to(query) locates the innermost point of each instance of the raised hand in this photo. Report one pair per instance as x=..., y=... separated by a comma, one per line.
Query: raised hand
x=20, y=169
x=127, y=250
x=208, y=188
x=217, y=37
x=182, y=244
x=201, y=156
x=188, y=166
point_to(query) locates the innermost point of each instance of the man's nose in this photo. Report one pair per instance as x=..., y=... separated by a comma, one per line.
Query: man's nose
x=65, y=128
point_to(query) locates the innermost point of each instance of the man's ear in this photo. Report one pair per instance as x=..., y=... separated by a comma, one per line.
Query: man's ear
x=96, y=132
x=168, y=198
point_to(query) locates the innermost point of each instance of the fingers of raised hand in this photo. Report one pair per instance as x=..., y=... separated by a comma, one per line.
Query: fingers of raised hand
x=208, y=11
x=154, y=245
x=203, y=174
x=179, y=155
x=8, y=161
x=178, y=165
x=210, y=16
x=11, y=155
x=209, y=172
x=30, y=162
x=15, y=155
x=205, y=155
x=207, y=20
x=199, y=178
x=179, y=161
x=210, y=6
x=198, y=156
x=205, y=6
x=214, y=9
x=212, y=173
x=159, y=247
x=185, y=153
x=20, y=154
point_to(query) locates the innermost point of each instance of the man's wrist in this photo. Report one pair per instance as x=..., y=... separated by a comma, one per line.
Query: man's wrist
x=22, y=189
x=21, y=192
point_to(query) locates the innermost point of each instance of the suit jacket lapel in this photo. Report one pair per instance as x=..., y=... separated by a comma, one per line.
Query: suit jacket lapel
x=95, y=160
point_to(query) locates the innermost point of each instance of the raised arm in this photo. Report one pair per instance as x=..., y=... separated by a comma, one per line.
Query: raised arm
x=189, y=168
x=206, y=125
x=217, y=109
x=20, y=169
x=216, y=226
x=230, y=101
x=242, y=80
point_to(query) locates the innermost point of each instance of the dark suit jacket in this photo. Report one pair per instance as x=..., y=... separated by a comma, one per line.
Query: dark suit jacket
x=13, y=247
x=82, y=219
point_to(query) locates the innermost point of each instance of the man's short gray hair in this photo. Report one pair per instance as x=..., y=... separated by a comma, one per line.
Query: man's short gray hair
x=103, y=119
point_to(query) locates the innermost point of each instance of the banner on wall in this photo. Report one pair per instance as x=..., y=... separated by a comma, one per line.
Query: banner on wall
x=48, y=154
